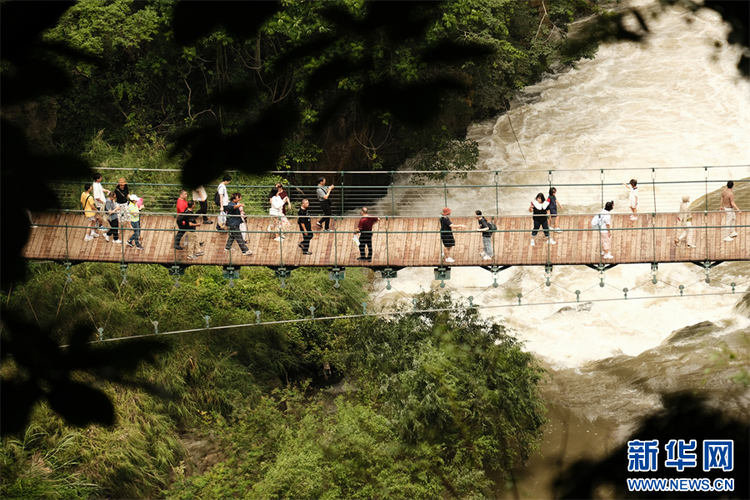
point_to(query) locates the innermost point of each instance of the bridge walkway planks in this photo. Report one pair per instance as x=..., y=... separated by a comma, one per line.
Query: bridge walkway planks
x=401, y=242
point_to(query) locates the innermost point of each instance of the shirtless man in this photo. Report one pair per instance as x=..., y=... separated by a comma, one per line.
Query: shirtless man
x=730, y=212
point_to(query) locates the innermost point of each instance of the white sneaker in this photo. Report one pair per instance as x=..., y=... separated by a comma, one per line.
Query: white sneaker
x=609, y=256
x=89, y=238
x=533, y=244
x=551, y=241
x=448, y=259
x=558, y=230
x=486, y=257
x=116, y=241
x=483, y=254
x=106, y=238
x=728, y=238
x=103, y=229
x=277, y=239
x=733, y=235
x=95, y=234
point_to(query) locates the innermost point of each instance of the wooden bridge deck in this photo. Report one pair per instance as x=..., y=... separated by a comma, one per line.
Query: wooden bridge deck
x=413, y=242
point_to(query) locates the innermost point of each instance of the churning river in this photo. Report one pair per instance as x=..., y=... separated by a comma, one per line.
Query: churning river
x=676, y=100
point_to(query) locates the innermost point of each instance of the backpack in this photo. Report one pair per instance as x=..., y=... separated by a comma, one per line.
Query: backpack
x=492, y=226
x=182, y=222
x=217, y=199
x=596, y=222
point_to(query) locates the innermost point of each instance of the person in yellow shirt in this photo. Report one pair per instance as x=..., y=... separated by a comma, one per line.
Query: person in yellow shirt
x=90, y=212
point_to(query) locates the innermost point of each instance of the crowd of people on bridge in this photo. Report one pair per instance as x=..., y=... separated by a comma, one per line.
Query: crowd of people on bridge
x=121, y=208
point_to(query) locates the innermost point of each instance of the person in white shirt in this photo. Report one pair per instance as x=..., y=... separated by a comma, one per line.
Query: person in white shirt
x=633, y=198
x=222, y=197
x=199, y=195
x=100, y=199
x=603, y=222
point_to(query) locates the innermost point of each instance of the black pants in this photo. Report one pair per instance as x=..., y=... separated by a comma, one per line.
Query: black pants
x=307, y=236
x=114, y=232
x=203, y=210
x=325, y=221
x=235, y=235
x=365, y=242
x=178, y=238
x=540, y=221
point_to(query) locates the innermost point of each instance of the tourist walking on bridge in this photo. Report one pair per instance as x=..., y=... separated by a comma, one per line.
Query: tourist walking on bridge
x=603, y=222
x=486, y=230
x=188, y=221
x=633, y=198
x=221, y=198
x=110, y=208
x=323, y=193
x=234, y=219
x=199, y=195
x=553, y=206
x=134, y=208
x=446, y=234
x=730, y=212
x=305, y=226
x=122, y=194
x=90, y=212
x=99, y=200
x=364, y=229
x=685, y=220
x=540, y=208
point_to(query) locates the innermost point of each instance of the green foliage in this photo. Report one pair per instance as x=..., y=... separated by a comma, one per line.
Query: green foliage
x=452, y=379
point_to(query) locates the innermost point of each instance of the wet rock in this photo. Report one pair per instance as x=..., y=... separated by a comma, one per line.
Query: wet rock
x=689, y=332
x=586, y=306
x=742, y=306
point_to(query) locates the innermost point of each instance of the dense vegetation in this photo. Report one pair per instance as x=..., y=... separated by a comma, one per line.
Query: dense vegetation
x=430, y=401
x=314, y=57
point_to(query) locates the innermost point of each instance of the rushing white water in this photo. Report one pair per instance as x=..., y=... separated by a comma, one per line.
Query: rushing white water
x=676, y=100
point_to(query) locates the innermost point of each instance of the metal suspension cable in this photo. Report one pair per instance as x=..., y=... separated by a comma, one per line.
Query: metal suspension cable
x=401, y=312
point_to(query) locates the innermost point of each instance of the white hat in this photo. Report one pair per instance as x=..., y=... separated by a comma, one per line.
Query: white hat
x=133, y=197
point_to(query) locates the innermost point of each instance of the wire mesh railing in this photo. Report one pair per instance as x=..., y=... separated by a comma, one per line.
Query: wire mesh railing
x=422, y=194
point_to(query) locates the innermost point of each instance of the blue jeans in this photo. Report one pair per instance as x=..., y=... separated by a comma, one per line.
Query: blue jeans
x=136, y=232
x=487, y=242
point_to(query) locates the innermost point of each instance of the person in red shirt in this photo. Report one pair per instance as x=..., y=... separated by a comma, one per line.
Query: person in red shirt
x=182, y=201
x=182, y=205
x=364, y=229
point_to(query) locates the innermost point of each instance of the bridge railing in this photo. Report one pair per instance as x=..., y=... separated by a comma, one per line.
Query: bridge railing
x=418, y=193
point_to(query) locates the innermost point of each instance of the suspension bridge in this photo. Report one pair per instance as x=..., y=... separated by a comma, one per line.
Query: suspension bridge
x=414, y=241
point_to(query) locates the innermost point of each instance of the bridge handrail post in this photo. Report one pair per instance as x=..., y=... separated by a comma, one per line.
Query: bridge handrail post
x=281, y=247
x=67, y=250
x=497, y=192
x=445, y=187
x=387, y=246
x=393, y=200
x=342, y=192
x=705, y=208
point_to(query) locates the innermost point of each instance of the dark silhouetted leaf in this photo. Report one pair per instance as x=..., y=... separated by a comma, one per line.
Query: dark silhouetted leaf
x=80, y=404
x=17, y=398
x=449, y=52
x=193, y=20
